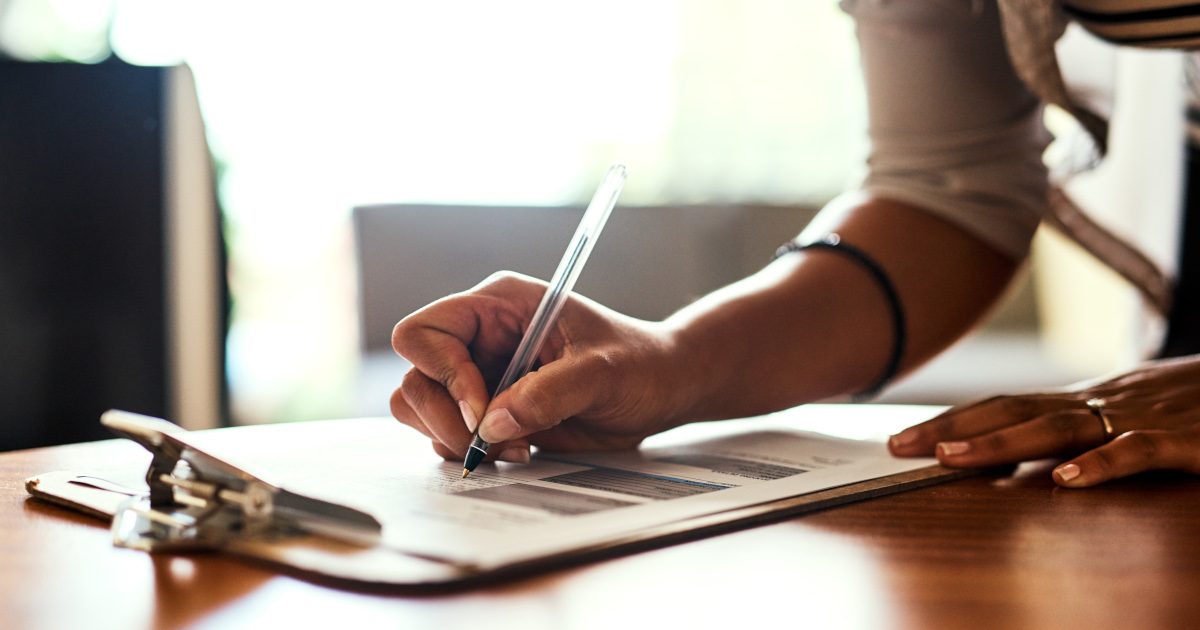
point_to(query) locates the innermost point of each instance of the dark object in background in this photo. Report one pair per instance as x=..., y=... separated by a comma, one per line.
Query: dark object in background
x=85, y=318
x=1183, y=326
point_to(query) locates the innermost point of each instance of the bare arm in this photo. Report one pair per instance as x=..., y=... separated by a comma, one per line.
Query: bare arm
x=809, y=326
x=815, y=324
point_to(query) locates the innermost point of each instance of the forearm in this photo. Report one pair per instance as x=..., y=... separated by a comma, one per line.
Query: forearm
x=815, y=324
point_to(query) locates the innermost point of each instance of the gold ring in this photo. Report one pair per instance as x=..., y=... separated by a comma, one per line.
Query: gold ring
x=1097, y=406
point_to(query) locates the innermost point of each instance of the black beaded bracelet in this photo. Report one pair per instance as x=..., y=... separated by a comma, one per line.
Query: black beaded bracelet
x=834, y=243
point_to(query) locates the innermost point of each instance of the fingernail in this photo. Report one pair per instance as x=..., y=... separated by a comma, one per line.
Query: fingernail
x=498, y=426
x=515, y=454
x=1067, y=472
x=951, y=449
x=468, y=415
x=904, y=438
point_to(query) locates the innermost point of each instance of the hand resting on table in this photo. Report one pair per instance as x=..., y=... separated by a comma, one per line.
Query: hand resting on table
x=1154, y=411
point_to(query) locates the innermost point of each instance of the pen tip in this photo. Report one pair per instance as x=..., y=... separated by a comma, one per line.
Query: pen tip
x=465, y=473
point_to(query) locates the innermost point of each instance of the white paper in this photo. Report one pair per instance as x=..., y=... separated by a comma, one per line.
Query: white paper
x=504, y=512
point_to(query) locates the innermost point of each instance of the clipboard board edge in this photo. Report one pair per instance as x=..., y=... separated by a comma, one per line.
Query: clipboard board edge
x=461, y=578
x=719, y=523
x=659, y=537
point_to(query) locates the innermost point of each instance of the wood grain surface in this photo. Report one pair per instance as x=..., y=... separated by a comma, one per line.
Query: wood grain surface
x=1007, y=551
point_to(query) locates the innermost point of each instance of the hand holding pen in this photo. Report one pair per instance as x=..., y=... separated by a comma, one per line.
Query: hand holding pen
x=556, y=296
x=599, y=369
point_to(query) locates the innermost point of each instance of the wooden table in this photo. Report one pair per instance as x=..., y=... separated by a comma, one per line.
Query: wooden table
x=985, y=552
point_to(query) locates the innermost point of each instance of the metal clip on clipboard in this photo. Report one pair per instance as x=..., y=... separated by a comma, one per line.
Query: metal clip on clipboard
x=198, y=501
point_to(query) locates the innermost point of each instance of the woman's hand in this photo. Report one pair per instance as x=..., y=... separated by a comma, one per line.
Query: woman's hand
x=1154, y=411
x=603, y=382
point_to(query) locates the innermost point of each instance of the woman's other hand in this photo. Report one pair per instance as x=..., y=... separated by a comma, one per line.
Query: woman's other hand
x=1154, y=412
x=599, y=383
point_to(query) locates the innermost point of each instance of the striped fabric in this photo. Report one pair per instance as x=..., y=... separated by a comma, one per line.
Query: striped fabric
x=1031, y=27
x=1147, y=23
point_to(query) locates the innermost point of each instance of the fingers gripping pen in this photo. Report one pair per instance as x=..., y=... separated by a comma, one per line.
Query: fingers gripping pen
x=556, y=295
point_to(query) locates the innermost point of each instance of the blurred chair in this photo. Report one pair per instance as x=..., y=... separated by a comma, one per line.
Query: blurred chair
x=112, y=289
x=649, y=262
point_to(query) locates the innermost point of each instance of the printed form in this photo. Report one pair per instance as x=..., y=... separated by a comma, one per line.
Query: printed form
x=560, y=502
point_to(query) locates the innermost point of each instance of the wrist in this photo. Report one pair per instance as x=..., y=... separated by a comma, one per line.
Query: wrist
x=694, y=374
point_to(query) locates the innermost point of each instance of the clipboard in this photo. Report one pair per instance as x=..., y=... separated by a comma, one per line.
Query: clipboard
x=198, y=500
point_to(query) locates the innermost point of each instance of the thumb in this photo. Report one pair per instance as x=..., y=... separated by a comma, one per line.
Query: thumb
x=540, y=400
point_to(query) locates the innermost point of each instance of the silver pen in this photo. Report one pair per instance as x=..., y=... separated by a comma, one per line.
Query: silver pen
x=556, y=296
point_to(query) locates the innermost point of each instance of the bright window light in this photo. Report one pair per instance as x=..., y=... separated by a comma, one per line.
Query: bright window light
x=315, y=107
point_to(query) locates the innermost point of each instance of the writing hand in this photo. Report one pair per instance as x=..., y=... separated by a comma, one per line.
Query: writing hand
x=599, y=384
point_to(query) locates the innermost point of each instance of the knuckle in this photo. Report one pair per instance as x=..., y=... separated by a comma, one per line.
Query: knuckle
x=510, y=284
x=1062, y=423
x=405, y=414
x=446, y=375
x=1011, y=406
x=995, y=442
x=1070, y=427
x=400, y=335
x=1014, y=405
x=606, y=377
x=1102, y=459
x=604, y=365
x=409, y=334
x=538, y=411
x=986, y=404
x=1067, y=428
x=446, y=369
x=501, y=280
x=416, y=390
x=1173, y=406
x=1138, y=444
x=941, y=428
x=399, y=406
